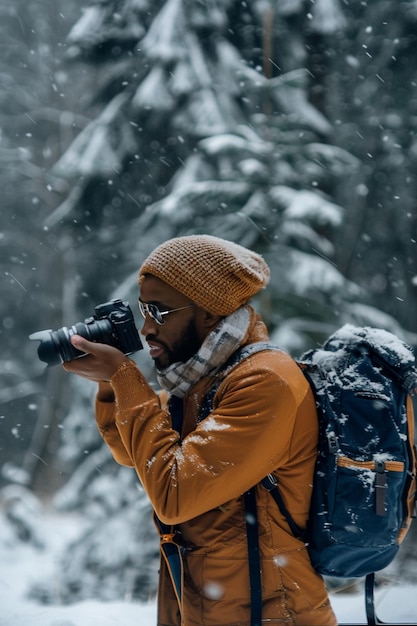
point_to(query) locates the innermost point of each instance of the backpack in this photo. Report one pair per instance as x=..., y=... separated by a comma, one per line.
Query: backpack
x=364, y=487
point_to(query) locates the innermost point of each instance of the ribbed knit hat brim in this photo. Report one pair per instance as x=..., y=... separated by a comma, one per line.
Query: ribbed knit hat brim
x=217, y=274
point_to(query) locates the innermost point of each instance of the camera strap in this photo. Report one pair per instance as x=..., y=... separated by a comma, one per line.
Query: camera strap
x=172, y=552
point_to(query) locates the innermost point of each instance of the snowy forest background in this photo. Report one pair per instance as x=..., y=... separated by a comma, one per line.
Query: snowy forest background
x=289, y=126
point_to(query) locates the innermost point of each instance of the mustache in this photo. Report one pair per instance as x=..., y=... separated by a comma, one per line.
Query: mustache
x=154, y=340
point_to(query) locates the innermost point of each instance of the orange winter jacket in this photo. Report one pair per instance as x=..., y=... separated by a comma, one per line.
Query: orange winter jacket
x=263, y=420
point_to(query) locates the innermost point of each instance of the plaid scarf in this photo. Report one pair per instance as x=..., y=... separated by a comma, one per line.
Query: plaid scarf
x=217, y=347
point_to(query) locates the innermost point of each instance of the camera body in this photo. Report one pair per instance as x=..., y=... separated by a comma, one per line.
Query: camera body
x=112, y=324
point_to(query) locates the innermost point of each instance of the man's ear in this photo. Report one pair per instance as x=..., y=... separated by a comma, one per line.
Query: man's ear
x=208, y=320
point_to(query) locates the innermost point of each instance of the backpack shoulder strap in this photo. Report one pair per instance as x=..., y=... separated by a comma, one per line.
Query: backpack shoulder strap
x=270, y=483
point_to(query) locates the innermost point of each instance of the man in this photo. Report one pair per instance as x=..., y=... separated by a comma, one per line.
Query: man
x=194, y=294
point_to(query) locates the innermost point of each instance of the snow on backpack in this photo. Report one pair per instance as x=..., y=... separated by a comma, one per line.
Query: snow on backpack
x=364, y=487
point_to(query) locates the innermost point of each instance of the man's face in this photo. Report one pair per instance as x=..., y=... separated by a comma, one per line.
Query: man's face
x=181, y=334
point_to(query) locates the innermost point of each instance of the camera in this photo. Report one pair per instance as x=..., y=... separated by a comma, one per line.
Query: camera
x=112, y=324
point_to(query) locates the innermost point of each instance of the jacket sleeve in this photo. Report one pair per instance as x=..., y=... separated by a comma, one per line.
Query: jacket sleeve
x=245, y=437
x=106, y=424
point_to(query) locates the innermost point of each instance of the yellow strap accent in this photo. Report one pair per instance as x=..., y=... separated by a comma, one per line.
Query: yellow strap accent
x=391, y=466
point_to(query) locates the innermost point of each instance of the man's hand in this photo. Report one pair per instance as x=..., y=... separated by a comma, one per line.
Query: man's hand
x=100, y=363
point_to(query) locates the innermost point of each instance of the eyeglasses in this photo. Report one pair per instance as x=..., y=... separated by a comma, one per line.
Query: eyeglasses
x=157, y=315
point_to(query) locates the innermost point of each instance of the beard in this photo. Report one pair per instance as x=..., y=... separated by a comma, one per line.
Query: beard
x=183, y=349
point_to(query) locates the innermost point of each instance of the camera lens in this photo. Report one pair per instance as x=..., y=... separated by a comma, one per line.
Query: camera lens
x=48, y=349
x=55, y=345
x=100, y=331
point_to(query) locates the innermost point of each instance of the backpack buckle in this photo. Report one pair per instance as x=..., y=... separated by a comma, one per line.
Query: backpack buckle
x=269, y=482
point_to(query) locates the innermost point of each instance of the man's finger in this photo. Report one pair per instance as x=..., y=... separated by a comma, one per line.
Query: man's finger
x=83, y=344
x=92, y=347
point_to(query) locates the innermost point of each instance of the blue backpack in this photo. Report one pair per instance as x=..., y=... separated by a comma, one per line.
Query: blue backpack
x=364, y=488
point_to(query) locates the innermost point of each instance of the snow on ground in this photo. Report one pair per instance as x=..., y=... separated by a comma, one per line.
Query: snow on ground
x=21, y=565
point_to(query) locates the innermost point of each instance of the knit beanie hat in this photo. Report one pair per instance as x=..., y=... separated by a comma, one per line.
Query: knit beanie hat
x=218, y=275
